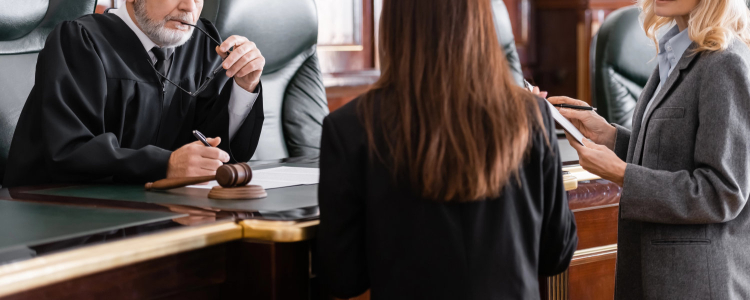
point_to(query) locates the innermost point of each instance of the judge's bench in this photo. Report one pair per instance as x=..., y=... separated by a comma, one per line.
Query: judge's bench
x=93, y=241
x=122, y=242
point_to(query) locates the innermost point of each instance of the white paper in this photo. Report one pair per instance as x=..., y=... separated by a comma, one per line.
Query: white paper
x=565, y=123
x=277, y=178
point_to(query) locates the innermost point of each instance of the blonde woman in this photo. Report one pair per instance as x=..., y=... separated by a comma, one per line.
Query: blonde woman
x=684, y=229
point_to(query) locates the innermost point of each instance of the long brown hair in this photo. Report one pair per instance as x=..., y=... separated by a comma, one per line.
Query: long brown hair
x=449, y=112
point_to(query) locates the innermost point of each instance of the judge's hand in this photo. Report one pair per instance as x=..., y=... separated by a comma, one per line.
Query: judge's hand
x=195, y=159
x=599, y=160
x=591, y=124
x=245, y=63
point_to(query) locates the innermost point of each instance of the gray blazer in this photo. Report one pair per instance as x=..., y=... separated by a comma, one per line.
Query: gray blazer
x=684, y=231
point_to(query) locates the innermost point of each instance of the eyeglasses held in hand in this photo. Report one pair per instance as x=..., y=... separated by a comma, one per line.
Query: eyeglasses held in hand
x=208, y=79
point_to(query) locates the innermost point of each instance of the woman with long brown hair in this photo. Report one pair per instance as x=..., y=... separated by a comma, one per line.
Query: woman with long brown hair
x=443, y=181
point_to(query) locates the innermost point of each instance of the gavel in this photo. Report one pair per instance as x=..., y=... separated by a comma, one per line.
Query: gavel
x=228, y=176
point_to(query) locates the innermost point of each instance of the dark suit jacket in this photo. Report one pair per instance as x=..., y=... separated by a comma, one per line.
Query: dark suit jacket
x=684, y=228
x=376, y=234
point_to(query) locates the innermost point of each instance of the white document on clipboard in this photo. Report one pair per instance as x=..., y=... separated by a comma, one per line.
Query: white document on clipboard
x=565, y=123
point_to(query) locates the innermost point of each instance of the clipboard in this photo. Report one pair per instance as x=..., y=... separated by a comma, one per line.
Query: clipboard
x=565, y=124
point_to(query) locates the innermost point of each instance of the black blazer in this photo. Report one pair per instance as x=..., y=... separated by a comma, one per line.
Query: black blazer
x=374, y=234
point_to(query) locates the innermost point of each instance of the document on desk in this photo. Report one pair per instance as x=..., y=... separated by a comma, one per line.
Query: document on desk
x=277, y=178
x=565, y=123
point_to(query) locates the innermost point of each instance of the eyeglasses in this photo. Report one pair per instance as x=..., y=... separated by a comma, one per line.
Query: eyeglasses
x=208, y=79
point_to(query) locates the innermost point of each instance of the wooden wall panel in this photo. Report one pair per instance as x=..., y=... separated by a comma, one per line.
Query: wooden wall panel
x=565, y=30
x=592, y=281
x=181, y=274
x=596, y=227
x=556, y=70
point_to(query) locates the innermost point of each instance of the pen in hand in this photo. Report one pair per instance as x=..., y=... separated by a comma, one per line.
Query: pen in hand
x=574, y=106
x=198, y=135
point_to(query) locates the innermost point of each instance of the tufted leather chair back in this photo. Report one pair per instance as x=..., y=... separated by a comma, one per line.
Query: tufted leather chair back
x=24, y=26
x=507, y=41
x=623, y=60
x=286, y=32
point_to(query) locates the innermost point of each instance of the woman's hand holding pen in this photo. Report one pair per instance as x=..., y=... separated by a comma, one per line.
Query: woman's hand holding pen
x=591, y=124
x=596, y=155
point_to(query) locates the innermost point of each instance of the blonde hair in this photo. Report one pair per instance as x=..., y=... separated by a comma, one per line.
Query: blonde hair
x=713, y=24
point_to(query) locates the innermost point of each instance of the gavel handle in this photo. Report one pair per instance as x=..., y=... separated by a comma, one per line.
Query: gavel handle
x=171, y=183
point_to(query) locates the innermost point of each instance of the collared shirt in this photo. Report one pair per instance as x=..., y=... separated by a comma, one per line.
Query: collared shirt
x=240, y=101
x=671, y=48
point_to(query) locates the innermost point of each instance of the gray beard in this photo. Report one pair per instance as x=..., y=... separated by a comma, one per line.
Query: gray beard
x=157, y=31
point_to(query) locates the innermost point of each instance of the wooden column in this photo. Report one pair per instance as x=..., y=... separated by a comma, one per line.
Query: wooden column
x=564, y=30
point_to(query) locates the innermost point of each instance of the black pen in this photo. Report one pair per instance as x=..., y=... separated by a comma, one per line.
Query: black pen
x=574, y=106
x=198, y=135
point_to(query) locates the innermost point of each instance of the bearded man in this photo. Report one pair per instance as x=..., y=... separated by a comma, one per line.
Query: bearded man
x=117, y=96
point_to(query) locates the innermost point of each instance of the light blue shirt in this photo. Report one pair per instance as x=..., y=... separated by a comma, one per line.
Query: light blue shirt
x=671, y=48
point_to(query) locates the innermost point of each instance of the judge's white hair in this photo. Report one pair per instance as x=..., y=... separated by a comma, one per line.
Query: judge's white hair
x=157, y=30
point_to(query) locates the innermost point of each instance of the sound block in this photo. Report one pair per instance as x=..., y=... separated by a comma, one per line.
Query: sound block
x=237, y=193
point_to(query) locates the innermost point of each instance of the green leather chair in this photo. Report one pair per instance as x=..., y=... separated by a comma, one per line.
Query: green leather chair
x=504, y=33
x=623, y=58
x=24, y=26
x=286, y=32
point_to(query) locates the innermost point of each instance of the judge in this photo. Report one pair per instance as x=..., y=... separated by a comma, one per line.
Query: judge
x=117, y=96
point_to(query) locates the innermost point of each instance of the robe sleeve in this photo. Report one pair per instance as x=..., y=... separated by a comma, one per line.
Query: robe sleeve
x=212, y=110
x=559, y=237
x=212, y=119
x=70, y=90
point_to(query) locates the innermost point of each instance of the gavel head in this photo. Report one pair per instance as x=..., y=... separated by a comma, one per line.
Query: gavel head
x=234, y=175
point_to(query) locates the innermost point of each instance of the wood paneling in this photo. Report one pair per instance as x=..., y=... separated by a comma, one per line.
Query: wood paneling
x=564, y=31
x=592, y=281
x=597, y=226
x=595, y=205
x=153, y=279
x=267, y=270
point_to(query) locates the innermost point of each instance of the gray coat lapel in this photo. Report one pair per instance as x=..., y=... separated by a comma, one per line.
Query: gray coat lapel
x=684, y=62
x=640, y=109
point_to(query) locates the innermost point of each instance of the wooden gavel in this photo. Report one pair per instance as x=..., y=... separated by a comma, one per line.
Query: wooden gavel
x=227, y=176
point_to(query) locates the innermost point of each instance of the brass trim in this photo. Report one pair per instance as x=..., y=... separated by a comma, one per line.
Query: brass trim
x=49, y=269
x=279, y=231
x=557, y=286
x=332, y=48
x=589, y=255
x=595, y=207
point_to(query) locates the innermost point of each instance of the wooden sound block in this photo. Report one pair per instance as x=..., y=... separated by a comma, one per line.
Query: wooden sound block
x=570, y=182
x=237, y=193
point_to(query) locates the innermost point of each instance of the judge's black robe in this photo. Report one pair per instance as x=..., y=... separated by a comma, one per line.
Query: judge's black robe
x=99, y=112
